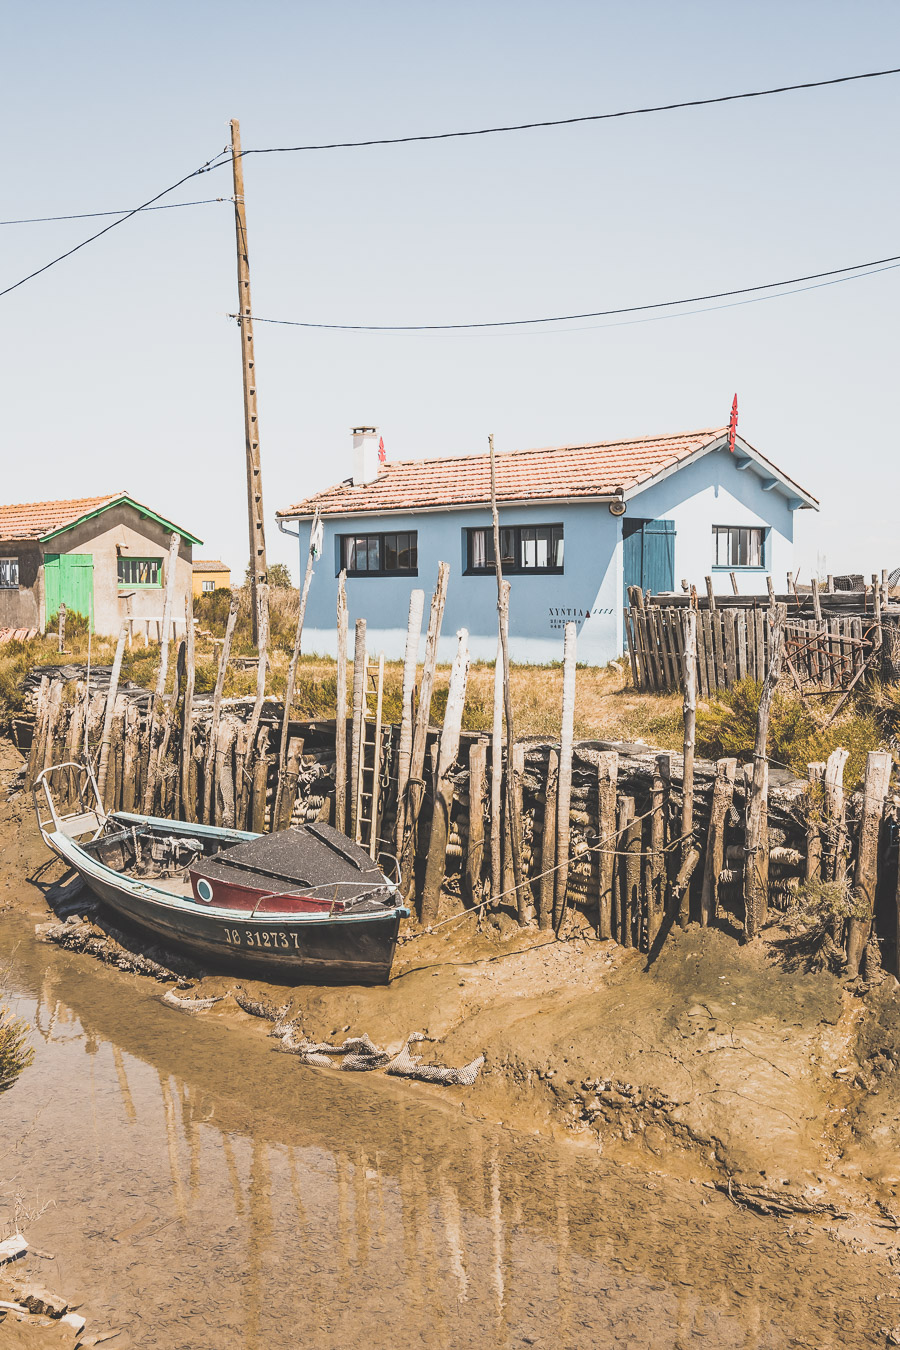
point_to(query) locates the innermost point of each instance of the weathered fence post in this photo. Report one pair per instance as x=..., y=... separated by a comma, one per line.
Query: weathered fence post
x=247, y=742
x=475, y=850
x=607, y=779
x=358, y=732
x=340, y=715
x=443, y=792
x=132, y=756
x=756, y=854
x=188, y=805
x=289, y=789
x=564, y=796
x=62, y=629
x=836, y=834
x=103, y=770
x=689, y=679
x=814, y=800
x=208, y=813
x=723, y=793
x=314, y=543
x=875, y=786
x=497, y=780
x=548, y=841
x=407, y=701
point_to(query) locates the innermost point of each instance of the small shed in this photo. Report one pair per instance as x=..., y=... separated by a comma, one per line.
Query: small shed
x=102, y=557
x=210, y=575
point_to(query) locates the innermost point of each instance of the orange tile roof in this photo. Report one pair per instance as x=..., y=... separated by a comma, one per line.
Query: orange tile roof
x=31, y=520
x=600, y=469
x=209, y=565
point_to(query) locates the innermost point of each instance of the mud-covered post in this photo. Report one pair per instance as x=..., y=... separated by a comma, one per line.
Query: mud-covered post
x=248, y=738
x=407, y=700
x=443, y=791
x=875, y=786
x=626, y=818
x=548, y=841
x=103, y=770
x=814, y=798
x=564, y=796
x=607, y=780
x=36, y=753
x=689, y=708
x=132, y=755
x=289, y=792
x=359, y=725
x=208, y=813
x=188, y=805
x=340, y=714
x=656, y=870
x=315, y=543
x=756, y=853
x=415, y=786
x=497, y=779
x=723, y=794
x=475, y=850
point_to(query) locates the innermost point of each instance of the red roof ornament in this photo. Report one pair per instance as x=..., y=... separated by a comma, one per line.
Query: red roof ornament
x=381, y=454
x=732, y=426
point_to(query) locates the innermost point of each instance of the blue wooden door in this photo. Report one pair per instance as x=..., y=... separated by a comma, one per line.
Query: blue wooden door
x=648, y=555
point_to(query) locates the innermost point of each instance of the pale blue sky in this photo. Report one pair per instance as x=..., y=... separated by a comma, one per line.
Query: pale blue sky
x=122, y=371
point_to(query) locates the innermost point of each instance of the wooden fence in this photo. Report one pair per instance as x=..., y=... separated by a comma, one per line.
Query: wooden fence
x=734, y=643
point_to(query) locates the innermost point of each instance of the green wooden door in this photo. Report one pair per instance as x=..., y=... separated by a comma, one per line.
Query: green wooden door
x=69, y=581
x=648, y=555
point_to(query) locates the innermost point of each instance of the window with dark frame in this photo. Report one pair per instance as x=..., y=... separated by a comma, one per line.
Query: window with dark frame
x=9, y=574
x=395, y=554
x=523, y=549
x=139, y=571
x=738, y=546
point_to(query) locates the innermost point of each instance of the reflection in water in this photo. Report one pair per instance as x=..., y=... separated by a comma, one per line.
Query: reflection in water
x=211, y=1193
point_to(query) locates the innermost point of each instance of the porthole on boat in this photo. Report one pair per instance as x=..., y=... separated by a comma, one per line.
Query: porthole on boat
x=204, y=890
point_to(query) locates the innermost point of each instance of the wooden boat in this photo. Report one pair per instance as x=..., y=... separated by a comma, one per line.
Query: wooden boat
x=306, y=903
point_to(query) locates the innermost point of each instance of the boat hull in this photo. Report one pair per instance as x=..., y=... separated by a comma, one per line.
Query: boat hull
x=301, y=948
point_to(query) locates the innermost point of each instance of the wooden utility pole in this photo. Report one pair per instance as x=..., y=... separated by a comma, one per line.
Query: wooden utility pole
x=258, y=566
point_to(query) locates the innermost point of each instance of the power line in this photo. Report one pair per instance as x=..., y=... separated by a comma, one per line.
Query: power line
x=204, y=168
x=571, y=121
x=88, y=215
x=565, y=318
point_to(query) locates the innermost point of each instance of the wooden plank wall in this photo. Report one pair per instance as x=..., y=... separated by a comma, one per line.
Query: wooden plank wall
x=733, y=644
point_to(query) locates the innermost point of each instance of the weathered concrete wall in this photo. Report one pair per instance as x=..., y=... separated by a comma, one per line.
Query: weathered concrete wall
x=21, y=608
x=122, y=530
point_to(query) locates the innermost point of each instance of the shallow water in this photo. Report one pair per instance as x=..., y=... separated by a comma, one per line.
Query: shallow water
x=207, y=1191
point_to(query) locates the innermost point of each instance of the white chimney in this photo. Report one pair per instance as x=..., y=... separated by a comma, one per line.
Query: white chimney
x=365, y=454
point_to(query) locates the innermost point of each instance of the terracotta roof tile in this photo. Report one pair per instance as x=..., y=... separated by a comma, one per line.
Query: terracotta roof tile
x=33, y=519
x=209, y=565
x=562, y=471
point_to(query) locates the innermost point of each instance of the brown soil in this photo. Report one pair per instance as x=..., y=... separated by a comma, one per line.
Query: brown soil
x=716, y=1062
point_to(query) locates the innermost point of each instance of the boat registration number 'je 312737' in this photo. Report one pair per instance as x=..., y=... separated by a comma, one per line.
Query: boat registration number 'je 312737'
x=271, y=938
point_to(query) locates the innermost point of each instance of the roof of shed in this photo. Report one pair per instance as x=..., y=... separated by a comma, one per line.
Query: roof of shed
x=601, y=469
x=210, y=565
x=43, y=520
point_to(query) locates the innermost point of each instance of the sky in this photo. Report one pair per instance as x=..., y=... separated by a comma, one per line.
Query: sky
x=122, y=367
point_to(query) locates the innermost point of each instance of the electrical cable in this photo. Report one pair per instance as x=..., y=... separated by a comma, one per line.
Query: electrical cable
x=564, y=318
x=88, y=215
x=204, y=168
x=571, y=121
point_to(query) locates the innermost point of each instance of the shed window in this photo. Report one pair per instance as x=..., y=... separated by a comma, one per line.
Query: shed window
x=139, y=571
x=208, y=586
x=367, y=555
x=9, y=574
x=523, y=548
x=738, y=546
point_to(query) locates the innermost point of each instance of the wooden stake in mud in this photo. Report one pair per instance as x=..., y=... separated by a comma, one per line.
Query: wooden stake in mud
x=835, y=862
x=513, y=821
x=416, y=785
x=564, y=797
x=548, y=841
x=723, y=795
x=475, y=850
x=255, y=516
x=103, y=770
x=291, y=774
x=315, y=541
x=248, y=739
x=407, y=701
x=756, y=853
x=188, y=805
x=497, y=779
x=36, y=753
x=359, y=724
x=689, y=679
x=62, y=629
x=340, y=717
x=443, y=791
x=875, y=786
x=656, y=870
x=814, y=800
x=131, y=761
x=260, y=776
x=626, y=873
x=209, y=799
x=155, y=717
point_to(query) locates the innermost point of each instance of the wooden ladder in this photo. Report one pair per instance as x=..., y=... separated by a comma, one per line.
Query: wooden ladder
x=368, y=785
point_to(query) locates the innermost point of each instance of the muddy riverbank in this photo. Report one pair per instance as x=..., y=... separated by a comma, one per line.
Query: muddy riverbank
x=207, y=1190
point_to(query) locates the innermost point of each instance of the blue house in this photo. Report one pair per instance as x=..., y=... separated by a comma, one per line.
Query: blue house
x=578, y=525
